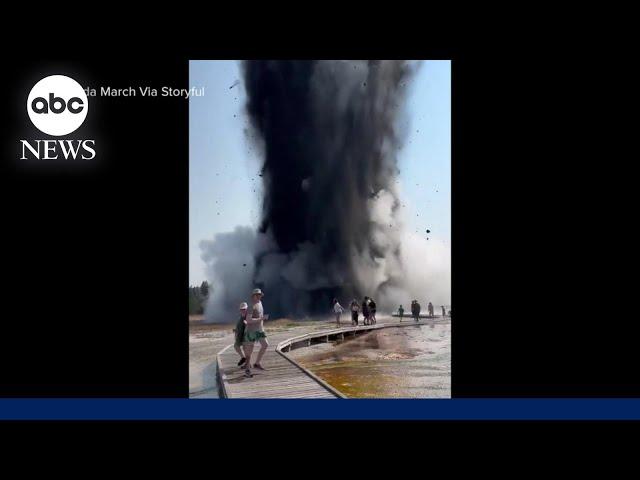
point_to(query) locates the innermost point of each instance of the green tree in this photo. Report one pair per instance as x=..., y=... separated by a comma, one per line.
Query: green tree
x=195, y=301
x=204, y=289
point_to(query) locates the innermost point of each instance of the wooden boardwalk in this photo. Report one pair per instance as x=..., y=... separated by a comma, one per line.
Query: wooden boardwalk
x=283, y=377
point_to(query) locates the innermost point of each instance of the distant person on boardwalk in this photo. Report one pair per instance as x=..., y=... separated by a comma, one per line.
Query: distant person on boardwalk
x=372, y=311
x=431, y=315
x=400, y=312
x=365, y=310
x=444, y=313
x=415, y=310
x=254, y=332
x=355, y=309
x=337, y=309
x=239, y=333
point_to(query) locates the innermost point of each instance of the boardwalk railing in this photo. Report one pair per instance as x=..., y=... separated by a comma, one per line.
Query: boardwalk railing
x=325, y=336
x=222, y=391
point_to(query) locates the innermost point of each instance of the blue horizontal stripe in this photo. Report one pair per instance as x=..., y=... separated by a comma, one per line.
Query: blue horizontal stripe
x=388, y=409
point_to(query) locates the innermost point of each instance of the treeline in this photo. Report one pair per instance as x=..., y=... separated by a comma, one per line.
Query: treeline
x=198, y=298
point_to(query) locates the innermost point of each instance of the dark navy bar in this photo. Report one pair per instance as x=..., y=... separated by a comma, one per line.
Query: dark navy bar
x=437, y=409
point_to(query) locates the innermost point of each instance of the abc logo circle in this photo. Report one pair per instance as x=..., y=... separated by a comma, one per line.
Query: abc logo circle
x=57, y=105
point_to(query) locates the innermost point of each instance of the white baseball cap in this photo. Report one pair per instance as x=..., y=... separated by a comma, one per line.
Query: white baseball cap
x=244, y=306
x=257, y=291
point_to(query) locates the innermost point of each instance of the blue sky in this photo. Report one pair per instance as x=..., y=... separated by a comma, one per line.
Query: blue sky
x=222, y=163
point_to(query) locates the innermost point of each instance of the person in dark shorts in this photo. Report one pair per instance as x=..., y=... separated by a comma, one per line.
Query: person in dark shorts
x=239, y=333
x=365, y=311
x=372, y=311
x=355, y=309
x=400, y=312
x=415, y=310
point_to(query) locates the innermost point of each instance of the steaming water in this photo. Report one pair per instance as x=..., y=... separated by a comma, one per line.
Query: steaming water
x=408, y=362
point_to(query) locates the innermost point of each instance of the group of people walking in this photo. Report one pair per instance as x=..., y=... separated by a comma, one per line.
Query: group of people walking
x=249, y=330
x=415, y=310
x=368, y=309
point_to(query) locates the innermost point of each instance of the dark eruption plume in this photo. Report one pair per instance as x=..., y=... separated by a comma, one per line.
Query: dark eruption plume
x=329, y=135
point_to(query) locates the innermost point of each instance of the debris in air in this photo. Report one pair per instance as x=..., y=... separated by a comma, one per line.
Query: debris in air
x=234, y=84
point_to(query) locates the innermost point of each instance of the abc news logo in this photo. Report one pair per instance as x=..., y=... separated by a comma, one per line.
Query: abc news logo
x=57, y=105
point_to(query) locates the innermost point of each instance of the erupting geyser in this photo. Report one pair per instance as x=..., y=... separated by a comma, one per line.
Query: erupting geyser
x=329, y=225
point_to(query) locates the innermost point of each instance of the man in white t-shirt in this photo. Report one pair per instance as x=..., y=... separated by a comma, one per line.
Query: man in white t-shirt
x=337, y=309
x=254, y=332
